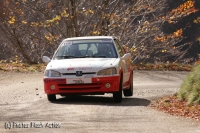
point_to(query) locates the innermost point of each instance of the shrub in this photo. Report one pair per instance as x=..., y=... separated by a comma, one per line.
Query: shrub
x=190, y=89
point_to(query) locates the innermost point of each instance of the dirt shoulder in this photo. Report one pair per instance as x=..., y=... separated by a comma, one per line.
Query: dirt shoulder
x=21, y=88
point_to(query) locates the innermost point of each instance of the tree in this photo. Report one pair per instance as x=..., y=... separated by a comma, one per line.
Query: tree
x=36, y=28
x=185, y=17
x=21, y=31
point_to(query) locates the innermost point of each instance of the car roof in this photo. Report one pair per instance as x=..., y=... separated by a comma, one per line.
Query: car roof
x=90, y=37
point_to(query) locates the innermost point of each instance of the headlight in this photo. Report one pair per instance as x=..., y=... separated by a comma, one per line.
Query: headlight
x=50, y=73
x=109, y=71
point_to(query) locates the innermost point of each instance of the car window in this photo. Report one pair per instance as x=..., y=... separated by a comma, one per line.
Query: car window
x=86, y=48
x=120, y=50
x=93, y=48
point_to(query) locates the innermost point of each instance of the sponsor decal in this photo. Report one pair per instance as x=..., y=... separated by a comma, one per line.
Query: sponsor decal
x=70, y=68
x=78, y=80
x=67, y=43
x=84, y=68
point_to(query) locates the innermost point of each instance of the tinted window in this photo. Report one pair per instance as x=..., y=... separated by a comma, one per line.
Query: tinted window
x=83, y=48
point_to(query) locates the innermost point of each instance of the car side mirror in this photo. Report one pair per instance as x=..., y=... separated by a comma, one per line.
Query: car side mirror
x=46, y=59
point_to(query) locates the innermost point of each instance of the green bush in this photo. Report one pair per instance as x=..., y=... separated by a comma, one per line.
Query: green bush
x=190, y=89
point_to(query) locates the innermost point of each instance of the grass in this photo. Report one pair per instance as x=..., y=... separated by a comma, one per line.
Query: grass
x=190, y=89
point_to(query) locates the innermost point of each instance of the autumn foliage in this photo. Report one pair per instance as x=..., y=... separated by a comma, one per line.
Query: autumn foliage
x=172, y=105
x=31, y=29
x=184, y=16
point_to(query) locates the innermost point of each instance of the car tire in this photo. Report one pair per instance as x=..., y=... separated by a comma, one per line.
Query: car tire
x=51, y=97
x=129, y=92
x=117, y=96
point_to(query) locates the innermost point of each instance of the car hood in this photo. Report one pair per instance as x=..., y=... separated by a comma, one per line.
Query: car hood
x=82, y=64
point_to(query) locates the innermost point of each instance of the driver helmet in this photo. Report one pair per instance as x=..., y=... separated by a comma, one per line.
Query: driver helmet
x=73, y=48
x=103, y=48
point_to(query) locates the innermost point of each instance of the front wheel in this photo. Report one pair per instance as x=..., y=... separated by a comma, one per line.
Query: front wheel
x=118, y=95
x=129, y=92
x=51, y=97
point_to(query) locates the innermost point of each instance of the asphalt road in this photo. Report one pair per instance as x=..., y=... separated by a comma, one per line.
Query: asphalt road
x=24, y=107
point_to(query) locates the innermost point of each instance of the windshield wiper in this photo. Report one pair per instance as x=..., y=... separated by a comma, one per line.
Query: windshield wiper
x=67, y=56
x=98, y=56
x=87, y=56
x=94, y=56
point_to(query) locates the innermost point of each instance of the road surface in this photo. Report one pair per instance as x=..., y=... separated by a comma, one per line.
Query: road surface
x=24, y=107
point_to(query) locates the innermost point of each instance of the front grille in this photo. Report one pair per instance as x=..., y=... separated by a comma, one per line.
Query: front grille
x=84, y=73
x=89, y=86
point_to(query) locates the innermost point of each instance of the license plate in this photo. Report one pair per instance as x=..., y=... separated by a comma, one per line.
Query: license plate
x=78, y=80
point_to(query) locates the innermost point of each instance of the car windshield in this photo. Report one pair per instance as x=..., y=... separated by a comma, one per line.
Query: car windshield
x=97, y=48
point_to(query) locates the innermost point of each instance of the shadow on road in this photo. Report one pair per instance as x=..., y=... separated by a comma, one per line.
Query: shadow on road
x=97, y=100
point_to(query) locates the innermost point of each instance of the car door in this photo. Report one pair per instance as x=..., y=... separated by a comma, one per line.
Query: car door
x=125, y=62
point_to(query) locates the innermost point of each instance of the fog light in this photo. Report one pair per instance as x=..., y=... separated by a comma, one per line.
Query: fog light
x=52, y=87
x=107, y=85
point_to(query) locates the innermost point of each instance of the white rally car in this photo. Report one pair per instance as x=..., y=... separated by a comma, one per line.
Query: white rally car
x=89, y=65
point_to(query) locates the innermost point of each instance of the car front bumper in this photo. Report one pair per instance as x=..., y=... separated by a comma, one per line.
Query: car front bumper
x=97, y=85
